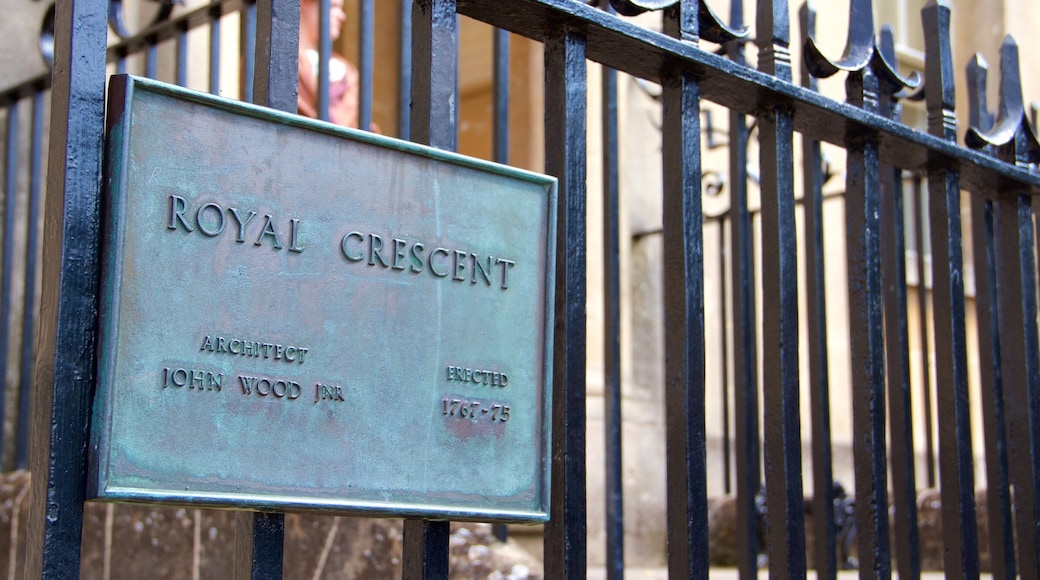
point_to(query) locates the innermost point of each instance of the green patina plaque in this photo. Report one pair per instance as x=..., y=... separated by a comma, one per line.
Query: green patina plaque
x=296, y=316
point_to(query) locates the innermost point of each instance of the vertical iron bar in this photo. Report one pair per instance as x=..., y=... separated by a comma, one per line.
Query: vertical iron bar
x=433, y=122
x=274, y=85
x=259, y=545
x=783, y=432
x=324, y=57
x=458, y=41
x=151, y=59
x=727, y=460
x=955, y=452
x=277, y=53
x=897, y=345
x=998, y=496
x=1000, y=523
x=866, y=339
x=615, y=520
x=404, y=83
x=182, y=57
x=745, y=341
x=434, y=53
x=366, y=62
x=565, y=150
x=1019, y=349
x=500, y=90
x=1019, y=339
x=500, y=131
x=7, y=252
x=214, y=52
x=247, y=20
x=922, y=308
x=897, y=352
x=1036, y=221
x=684, y=310
x=960, y=544
x=65, y=374
x=825, y=561
x=429, y=563
x=29, y=308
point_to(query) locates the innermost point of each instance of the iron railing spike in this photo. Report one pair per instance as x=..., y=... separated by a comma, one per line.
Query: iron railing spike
x=887, y=43
x=774, y=38
x=941, y=100
x=1011, y=106
x=884, y=64
x=736, y=13
x=979, y=115
x=807, y=21
x=1012, y=127
x=956, y=462
x=862, y=50
x=714, y=30
x=859, y=48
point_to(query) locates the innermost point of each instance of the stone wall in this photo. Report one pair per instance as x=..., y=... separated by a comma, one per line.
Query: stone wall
x=131, y=542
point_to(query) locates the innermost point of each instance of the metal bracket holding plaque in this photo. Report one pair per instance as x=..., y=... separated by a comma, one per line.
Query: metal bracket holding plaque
x=296, y=316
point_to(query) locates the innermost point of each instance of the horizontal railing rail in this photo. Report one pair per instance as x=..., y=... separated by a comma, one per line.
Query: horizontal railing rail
x=638, y=51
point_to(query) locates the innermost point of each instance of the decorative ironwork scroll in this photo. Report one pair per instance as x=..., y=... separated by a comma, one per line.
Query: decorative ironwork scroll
x=116, y=22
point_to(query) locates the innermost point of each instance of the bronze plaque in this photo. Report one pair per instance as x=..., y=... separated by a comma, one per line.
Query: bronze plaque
x=296, y=316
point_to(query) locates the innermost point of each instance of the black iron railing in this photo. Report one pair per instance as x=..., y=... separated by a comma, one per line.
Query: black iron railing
x=996, y=168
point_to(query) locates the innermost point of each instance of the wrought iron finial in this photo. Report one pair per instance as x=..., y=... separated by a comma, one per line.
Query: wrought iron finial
x=774, y=38
x=979, y=114
x=884, y=63
x=714, y=30
x=938, y=70
x=872, y=72
x=890, y=93
x=858, y=49
x=807, y=22
x=1011, y=133
x=900, y=87
x=861, y=50
x=911, y=87
x=887, y=43
x=694, y=22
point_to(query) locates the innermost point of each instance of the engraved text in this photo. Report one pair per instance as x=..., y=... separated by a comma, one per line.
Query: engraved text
x=269, y=350
x=211, y=220
x=416, y=257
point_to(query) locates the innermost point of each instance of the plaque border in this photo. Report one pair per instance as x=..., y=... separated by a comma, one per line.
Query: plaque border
x=122, y=91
